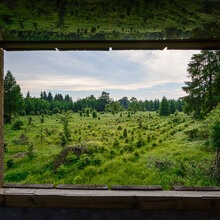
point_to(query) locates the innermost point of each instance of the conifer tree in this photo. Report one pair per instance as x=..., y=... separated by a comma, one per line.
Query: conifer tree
x=13, y=100
x=164, y=107
x=203, y=89
x=172, y=106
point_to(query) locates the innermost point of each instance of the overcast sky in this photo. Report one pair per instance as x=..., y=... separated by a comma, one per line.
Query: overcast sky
x=143, y=74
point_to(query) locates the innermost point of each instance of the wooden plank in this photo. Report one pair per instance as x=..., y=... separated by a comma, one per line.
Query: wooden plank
x=82, y=187
x=126, y=187
x=115, y=45
x=195, y=188
x=107, y=199
x=28, y=185
x=1, y=116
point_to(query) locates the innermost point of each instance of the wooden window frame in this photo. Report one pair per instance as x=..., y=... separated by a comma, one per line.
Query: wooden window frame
x=67, y=198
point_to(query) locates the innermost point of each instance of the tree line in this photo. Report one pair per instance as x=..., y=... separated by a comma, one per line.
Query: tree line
x=49, y=104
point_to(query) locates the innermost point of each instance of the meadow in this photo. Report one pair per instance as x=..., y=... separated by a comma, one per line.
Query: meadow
x=139, y=148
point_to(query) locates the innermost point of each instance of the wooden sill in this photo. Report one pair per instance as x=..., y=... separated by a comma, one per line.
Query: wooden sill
x=110, y=199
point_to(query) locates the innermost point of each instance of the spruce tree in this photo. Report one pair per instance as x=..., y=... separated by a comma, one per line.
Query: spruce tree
x=164, y=107
x=50, y=97
x=172, y=106
x=13, y=100
x=203, y=89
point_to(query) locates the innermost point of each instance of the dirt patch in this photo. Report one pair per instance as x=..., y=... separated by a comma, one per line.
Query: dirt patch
x=61, y=158
x=18, y=155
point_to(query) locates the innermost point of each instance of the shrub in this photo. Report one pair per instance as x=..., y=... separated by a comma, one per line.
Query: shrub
x=45, y=112
x=94, y=114
x=71, y=157
x=42, y=119
x=140, y=141
x=5, y=148
x=22, y=113
x=17, y=125
x=125, y=133
x=10, y=163
x=32, y=113
x=119, y=128
x=116, y=143
x=30, y=152
x=87, y=112
x=97, y=161
x=77, y=180
x=63, y=140
x=56, y=110
x=192, y=133
x=16, y=176
x=154, y=144
x=83, y=161
x=29, y=120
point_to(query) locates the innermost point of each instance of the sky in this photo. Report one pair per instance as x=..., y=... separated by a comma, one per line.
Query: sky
x=140, y=73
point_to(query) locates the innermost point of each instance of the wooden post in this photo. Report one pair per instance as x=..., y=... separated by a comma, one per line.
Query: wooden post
x=1, y=116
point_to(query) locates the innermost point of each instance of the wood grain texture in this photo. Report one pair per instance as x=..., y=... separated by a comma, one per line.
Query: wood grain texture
x=82, y=187
x=139, y=187
x=195, y=188
x=108, y=199
x=28, y=185
x=114, y=44
x=1, y=116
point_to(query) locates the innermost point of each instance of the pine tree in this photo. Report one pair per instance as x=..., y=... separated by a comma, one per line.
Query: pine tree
x=28, y=95
x=164, y=107
x=203, y=89
x=172, y=106
x=13, y=100
x=50, y=97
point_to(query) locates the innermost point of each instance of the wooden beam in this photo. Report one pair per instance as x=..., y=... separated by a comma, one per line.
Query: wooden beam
x=82, y=187
x=28, y=186
x=195, y=188
x=110, y=199
x=115, y=45
x=1, y=116
x=137, y=187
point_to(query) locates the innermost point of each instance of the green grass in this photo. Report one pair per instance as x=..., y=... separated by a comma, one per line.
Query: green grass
x=156, y=151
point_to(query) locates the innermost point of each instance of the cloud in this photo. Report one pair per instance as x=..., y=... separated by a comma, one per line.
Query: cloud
x=96, y=71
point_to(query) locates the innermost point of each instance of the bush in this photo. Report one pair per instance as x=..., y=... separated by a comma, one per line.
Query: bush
x=10, y=163
x=125, y=133
x=56, y=110
x=116, y=143
x=140, y=141
x=154, y=145
x=87, y=112
x=83, y=161
x=17, y=125
x=42, y=119
x=5, y=148
x=29, y=120
x=22, y=113
x=94, y=114
x=63, y=140
x=192, y=133
x=77, y=180
x=97, y=161
x=30, y=152
x=45, y=112
x=119, y=128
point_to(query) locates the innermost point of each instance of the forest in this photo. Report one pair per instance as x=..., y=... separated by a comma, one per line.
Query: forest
x=99, y=140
